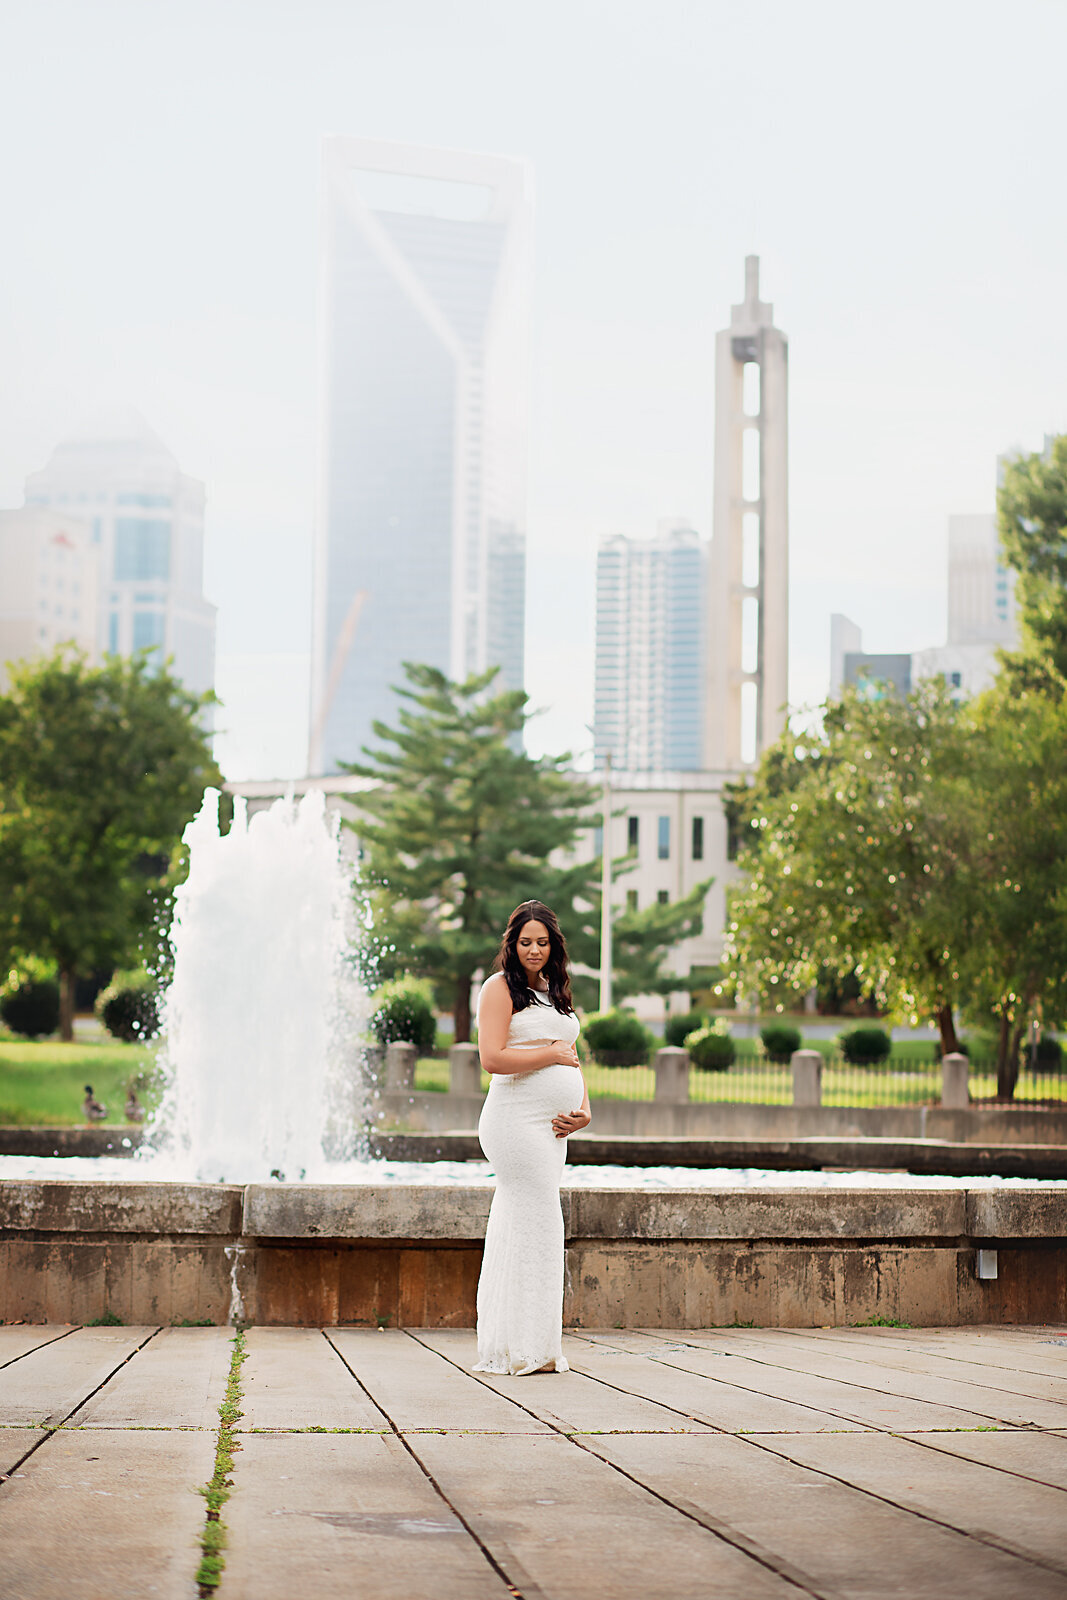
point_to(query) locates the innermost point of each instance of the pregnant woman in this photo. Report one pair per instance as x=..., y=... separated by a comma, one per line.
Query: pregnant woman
x=537, y=1096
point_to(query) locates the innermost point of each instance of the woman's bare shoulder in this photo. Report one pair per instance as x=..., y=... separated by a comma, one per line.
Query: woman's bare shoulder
x=494, y=983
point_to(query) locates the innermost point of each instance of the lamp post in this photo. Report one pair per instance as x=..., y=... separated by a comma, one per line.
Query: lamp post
x=605, y=893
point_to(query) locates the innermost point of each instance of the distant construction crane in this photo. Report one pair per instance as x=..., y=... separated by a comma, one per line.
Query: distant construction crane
x=333, y=679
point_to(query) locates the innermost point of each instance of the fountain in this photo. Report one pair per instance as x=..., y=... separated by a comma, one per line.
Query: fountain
x=263, y=1015
x=253, y=1197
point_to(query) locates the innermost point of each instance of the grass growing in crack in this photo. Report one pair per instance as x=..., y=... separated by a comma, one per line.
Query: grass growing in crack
x=220, y=1486
x=881, y=1322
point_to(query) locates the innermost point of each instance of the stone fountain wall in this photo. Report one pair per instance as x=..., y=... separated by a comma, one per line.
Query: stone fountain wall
x=306, y=1255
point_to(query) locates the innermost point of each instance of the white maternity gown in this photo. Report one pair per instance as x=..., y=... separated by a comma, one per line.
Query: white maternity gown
x=520, y=1290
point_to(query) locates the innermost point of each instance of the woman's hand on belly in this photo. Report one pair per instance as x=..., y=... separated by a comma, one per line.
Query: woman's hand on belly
x=570, y=1122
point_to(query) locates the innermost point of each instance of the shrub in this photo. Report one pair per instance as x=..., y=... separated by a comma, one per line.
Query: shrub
x=678, y=1029
x=404, y=1010
x=30, y=1007
x=617, y=1039
x=129, y=1008
x=865, y=1045
x=712, y=1048
x=1049, y=1054
x=780, y=1039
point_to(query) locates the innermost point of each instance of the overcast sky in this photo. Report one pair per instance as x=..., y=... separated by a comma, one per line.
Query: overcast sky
x=898, y=169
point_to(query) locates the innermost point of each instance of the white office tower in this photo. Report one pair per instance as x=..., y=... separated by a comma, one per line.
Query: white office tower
x=48, y=585
x=982, y=616
x=748, y=593
x=420, y=544
x=981, y=590
x=145, y=518
x=650, y=651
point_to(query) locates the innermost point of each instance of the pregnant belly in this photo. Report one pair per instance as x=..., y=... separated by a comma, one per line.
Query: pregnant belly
x=550, y=1090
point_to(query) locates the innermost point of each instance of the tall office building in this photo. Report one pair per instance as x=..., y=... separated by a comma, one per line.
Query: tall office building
x=748, y=595
x=49, y=585
x=981, y=590
x=145, y=519
x=650, y=651
x=420, y=543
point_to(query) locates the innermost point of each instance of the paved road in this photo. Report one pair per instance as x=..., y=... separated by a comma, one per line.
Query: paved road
x=753, y=1463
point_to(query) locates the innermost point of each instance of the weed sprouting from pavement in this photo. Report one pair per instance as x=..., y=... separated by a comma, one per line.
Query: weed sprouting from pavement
x=220, y=1486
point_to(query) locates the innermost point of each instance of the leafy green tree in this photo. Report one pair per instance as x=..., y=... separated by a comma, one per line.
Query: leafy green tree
x=1032, y=516
x=860, y=857
x=100, y=770
x=1018, y=966
x=460, y=826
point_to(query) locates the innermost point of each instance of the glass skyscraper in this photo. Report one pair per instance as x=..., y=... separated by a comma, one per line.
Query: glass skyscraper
x=145, y=519
x=420, y=543
x=650, y=651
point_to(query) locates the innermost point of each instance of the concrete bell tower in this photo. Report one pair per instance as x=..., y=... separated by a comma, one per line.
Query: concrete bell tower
x=748, y=574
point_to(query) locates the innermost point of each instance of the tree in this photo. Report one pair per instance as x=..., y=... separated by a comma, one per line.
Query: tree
x=1032, y=517
x=859, y=856
x=459, y=828
x=1018, y=968
x=100, y=770
x=461, y=825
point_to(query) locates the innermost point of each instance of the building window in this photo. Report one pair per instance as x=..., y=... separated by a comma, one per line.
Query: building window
x=663, y=838
x=631, y=833
x=148, y=629
x=663, y=897
x=631, y=899
x=956, y=679
x=698, y=838
x=142, y=547
x=113, y=633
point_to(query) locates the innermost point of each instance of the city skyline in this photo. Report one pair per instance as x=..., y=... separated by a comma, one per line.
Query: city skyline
x=177, y=270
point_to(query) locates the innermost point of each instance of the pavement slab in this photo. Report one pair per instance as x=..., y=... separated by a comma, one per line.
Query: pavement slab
x=417, y=1388
x=906, y=1371
x=841, y=1401
x=105, y=1515
x=717, y=1404
x=48, y=1384
x=1013, y=1359
x=295, y=1379
x=343, y=1515
x=176, y=1381
x=19, y=1339
x=562, y=1523
x=572, y=1401
x=16, y=1443
x=1039, y=1456
x=830, y=1539
x=1029, y=1519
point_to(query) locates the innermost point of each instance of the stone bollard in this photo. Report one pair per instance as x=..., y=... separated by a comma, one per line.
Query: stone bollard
x=807, y=1078
x=671, y=1067
x=464, y=1069
x=955, y=1095
x=400, y=1060
x=374, y=1065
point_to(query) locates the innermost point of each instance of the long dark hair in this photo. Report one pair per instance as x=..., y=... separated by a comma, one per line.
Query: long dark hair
x=555, y=968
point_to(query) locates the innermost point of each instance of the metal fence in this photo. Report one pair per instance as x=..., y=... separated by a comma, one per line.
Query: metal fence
x=754, y=1080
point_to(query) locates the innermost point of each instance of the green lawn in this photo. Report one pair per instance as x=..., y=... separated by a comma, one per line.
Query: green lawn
x=43, y=1082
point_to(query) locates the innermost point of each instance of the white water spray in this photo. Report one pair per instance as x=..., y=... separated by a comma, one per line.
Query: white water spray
x=262, y=1044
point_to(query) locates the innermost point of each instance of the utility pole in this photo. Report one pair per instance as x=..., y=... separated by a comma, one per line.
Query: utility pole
x=606, y=957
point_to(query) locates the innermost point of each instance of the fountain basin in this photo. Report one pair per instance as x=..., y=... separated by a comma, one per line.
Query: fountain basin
x=408, y=1253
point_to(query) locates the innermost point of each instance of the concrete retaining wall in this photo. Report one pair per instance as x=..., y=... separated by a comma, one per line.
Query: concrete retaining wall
x=309, y=1255
x=656, y=1119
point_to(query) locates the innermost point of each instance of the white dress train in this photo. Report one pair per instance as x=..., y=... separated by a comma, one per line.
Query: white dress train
x=520, y=1290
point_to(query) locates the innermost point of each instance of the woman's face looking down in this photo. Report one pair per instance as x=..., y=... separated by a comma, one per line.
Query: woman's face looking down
x=534, y=948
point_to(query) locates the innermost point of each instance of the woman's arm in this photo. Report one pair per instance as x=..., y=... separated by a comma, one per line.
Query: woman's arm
x=494, y=1020
x=571, y=1122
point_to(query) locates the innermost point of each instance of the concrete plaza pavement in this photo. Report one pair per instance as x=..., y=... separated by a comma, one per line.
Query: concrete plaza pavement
x=755, y=1463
